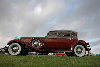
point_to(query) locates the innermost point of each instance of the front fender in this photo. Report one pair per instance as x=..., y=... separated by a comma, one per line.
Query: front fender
x=28, y=45
x=18, y=41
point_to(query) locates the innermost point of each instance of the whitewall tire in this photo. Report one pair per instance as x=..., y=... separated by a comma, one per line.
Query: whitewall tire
x=14, y=49
x=79, y=50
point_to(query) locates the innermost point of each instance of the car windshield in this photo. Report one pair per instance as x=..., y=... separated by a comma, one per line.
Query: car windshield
x=52, y=34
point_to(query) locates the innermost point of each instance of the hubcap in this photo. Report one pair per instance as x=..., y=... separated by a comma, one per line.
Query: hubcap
x=14, y=48
x=79, y=50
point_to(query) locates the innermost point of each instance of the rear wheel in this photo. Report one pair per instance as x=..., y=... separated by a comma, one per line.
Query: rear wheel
x=79, y=50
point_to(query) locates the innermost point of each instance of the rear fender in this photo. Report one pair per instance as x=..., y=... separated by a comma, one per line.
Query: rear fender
x=79, y=42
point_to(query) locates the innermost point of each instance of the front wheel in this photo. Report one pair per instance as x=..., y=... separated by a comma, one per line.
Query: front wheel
x=15, y=49
x=79, y=50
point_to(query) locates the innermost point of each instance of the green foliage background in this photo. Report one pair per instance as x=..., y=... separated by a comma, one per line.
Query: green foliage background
x=48, y=61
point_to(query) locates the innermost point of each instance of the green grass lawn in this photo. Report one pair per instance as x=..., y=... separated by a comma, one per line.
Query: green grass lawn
x=48, y=61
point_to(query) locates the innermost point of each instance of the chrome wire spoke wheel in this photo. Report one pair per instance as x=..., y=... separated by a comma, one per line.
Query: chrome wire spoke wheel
x=79, y=50
x=14, y=49
x=36, y=43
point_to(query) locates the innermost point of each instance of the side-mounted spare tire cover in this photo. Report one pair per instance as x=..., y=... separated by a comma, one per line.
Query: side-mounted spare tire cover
x=37, y=44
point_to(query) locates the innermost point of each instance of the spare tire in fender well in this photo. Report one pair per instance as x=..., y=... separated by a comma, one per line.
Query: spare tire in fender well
x=37, y=44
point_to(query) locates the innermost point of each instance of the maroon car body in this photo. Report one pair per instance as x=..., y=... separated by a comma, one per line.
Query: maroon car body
x=55, y=41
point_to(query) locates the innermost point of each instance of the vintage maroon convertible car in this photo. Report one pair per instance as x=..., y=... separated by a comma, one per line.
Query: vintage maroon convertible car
x=55, y=41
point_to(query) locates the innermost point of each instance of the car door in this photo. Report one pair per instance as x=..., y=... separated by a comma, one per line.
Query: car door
x=65, y=41
x=59, y=39
x=51, y=41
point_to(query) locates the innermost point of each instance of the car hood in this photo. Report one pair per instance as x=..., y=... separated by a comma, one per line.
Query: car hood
x=32, y=37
